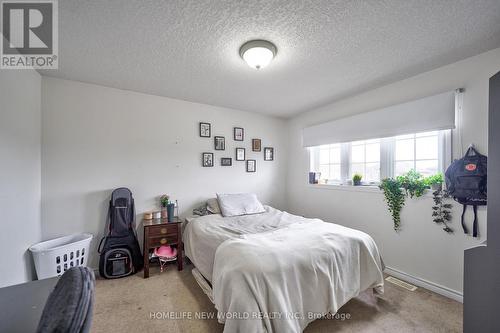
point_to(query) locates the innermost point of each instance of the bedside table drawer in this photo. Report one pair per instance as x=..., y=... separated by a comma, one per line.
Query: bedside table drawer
x=162, y=240
x=160, y=230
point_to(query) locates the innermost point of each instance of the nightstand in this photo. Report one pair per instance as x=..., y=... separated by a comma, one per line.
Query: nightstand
x=158, y=232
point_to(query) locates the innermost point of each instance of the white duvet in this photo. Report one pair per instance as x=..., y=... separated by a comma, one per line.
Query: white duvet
x=277, y=272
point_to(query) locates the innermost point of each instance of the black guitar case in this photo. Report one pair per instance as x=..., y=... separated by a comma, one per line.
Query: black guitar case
x=119, y=250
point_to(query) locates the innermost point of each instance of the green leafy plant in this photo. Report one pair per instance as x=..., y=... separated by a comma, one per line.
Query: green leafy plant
x=441, y=211
x=413, y=183
x=395, y=197
x=356, y=178
x=164, y=200
x=396, y=190
x=438, y=178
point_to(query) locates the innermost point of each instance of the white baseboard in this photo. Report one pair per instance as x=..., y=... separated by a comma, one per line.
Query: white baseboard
x=438, y=289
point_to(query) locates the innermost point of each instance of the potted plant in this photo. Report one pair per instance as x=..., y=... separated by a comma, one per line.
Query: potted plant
x=164, y=202
x=413, y=183
x=410, y=184
x=435, y=181
x=356, y=179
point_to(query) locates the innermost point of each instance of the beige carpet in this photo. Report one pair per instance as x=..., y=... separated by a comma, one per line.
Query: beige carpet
x=129, y=305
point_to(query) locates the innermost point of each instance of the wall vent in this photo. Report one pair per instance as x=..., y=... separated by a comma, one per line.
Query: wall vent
x=400, y=283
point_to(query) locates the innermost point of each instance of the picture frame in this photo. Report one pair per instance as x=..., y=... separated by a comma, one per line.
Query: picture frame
x=207, y=160
x=240, y=154
x=238, y=134
x=219, y=143
x=226, y=161
x=251, y=165
x=268, y=154
x=205, y=130
x=256, y=145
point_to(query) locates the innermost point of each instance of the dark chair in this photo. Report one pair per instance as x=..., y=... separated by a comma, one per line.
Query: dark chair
x=69, y=306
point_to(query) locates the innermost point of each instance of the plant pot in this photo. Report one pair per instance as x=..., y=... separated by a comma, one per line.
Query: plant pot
x=164, y=213
x=170, y=212
x=437, y=187
x=356, y=182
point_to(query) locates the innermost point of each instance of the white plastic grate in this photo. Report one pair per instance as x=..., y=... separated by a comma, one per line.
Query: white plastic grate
x=400, y=283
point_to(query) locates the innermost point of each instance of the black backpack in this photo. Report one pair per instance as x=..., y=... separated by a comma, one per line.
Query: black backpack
x=466, y=180
x=119, y=250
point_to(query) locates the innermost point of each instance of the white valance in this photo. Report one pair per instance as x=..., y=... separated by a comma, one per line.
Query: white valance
x=427, y=114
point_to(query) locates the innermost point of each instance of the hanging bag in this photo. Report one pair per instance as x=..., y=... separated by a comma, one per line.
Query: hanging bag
x=466, y=181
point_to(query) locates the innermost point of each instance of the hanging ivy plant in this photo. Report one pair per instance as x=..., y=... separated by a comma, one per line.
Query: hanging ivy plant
x=441, y=211
x=397, y=189
x=395, y=198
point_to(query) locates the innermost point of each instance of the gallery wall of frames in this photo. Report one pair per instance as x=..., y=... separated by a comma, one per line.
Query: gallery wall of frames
x=238, y=155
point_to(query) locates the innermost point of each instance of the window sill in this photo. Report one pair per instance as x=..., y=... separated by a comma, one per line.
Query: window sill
x=357, y=188
x=351, y=188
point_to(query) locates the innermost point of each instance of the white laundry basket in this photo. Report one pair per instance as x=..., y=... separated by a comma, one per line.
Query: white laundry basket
x=55, y=256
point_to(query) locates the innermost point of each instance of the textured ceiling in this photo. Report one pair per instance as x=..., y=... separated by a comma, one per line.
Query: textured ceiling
x=326, y=49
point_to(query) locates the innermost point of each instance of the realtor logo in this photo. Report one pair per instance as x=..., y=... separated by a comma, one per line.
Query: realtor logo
x=29, y=34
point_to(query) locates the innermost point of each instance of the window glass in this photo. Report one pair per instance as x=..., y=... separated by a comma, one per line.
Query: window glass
x=324, y=156
x=421, y=152
x=357, y=153
x=404, y=149
x=427, y=167
x=372, y=172
x=427, y=148
x=329, y=162
x=373, y=152
x=402, y=167
x=335, y=154
x=417, y=151
x=365, y=160
x=325, y=171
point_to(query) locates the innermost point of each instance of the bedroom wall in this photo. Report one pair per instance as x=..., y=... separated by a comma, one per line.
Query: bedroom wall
x=96, y=139
x=20, y=136
x=421, y=249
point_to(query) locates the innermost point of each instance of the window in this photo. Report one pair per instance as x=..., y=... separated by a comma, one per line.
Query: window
x=417, y=151
x=427, y=153
x=329, y=162
x=365, y=160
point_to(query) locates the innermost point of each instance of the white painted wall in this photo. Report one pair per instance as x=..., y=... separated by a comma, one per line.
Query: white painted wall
x=96, y=139
x=421, y=249
x=20, y=135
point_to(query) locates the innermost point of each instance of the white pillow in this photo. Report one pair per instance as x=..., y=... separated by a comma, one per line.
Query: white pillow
x=239, y=204
x=213, y=206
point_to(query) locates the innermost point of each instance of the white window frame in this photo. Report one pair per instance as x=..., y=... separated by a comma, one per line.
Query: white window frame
x=387, y=161
x=349, y=166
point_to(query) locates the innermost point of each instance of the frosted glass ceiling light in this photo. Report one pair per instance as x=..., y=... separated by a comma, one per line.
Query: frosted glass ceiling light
x=258, y=53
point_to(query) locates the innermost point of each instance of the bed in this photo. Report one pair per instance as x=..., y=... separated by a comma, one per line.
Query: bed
x=277, y=272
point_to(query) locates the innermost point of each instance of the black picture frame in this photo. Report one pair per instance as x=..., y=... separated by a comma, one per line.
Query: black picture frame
x=205, y=127
x=219, y=143
x=207, y=160
x=256, y=144
x=268, y=154
x=238, y=151
x=251, y=165
x=226, y=161
x=238, y=134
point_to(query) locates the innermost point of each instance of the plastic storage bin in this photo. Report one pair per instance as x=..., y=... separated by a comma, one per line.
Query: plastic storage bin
x=55, y=256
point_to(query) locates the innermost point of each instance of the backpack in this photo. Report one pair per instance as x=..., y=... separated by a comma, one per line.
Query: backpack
x=119, y=250
x=466, y=181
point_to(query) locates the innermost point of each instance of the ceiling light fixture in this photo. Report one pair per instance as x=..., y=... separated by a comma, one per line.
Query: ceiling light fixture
x=258, y=53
